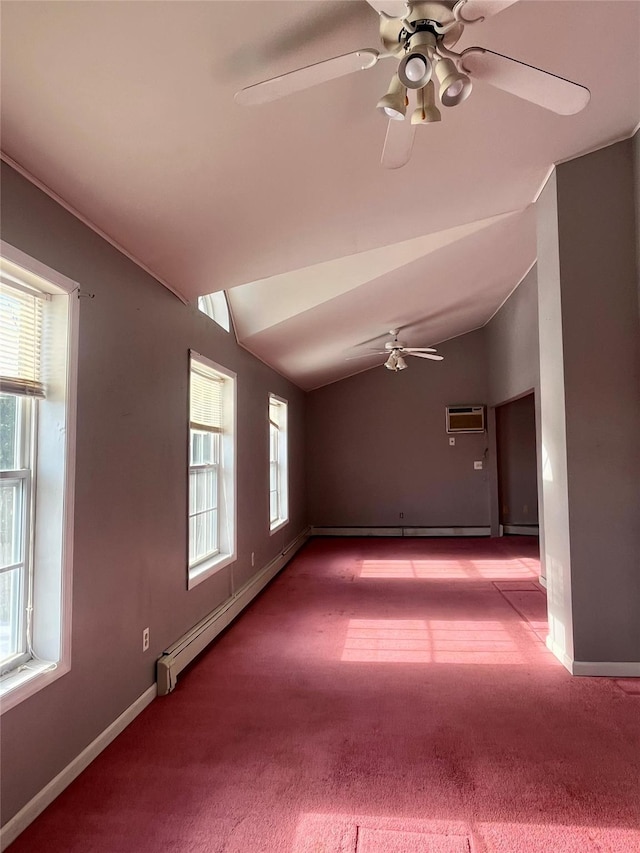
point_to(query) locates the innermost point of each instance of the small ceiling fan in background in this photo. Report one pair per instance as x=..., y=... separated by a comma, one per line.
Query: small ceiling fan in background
x=395, y=351
x=421, y=35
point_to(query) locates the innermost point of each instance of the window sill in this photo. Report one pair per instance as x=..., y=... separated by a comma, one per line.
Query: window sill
x=201, y=571
x=278, y=525
x=27, y=680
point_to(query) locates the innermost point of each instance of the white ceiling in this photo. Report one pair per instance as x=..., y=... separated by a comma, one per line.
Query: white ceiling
x=125, y=110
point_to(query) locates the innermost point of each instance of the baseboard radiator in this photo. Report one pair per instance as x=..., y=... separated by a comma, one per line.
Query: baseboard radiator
x=401, y=531
x=181, y=653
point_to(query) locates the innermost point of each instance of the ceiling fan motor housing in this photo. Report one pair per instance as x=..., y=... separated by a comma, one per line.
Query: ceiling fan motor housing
x=435, y=18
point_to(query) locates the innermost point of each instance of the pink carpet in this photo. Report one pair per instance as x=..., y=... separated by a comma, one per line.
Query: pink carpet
x=381, y=696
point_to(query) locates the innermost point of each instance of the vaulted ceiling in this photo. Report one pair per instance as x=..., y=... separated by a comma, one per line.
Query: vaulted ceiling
x=125, y=110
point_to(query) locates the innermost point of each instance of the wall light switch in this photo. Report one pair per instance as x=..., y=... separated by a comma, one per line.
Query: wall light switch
x=477, y=466
x=452, y=440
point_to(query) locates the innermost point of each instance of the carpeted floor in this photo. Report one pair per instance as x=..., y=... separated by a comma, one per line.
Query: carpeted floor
x=381, y=696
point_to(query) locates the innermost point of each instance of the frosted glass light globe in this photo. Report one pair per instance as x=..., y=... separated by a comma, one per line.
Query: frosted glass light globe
x=393, y=114
x=415, y=68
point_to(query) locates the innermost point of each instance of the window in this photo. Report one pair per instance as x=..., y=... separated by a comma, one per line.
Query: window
x=38, y=334
x=211, y=468
x=215, y=305
x=278, y=480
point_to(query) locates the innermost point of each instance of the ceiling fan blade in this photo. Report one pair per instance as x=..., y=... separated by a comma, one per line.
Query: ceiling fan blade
x=393, y=8
x=475, y=11
x=419, y=349
x=426, y=355
x=398, y=144
x=525, y=81
x=304, y=78
x=319, y=21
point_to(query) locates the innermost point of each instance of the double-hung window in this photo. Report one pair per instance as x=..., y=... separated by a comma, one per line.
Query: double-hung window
x=38, y=321
x=278, y=467
x=211, y=468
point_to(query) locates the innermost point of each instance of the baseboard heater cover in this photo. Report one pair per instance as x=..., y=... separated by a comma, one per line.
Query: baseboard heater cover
x=181, y=653
x=401, y=531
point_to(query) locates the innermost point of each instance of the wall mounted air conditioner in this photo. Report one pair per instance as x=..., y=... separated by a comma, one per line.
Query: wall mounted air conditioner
x=465, y=419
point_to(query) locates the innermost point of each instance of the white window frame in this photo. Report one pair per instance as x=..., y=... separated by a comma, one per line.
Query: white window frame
x=216, y=306
x=279, y=441
x=52, y=509
x=227, y=479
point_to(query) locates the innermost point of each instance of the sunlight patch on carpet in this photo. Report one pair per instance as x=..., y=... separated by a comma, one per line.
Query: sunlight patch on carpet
x=429, y=641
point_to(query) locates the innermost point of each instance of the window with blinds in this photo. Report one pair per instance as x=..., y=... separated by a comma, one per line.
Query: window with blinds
x=20, y=379
x=278, y=481
x=211, y=461
x=38, y=332
x=20, y=338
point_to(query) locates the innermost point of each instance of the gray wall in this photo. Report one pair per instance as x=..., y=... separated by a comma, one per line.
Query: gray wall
x=131, y=498
x=514, y=370
x=512, y=343
x=601, y=349
x=377, y=444
x=636, y=184
x=517, y=461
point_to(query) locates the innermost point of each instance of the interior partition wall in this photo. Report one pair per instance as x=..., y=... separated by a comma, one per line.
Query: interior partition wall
x=590, y=410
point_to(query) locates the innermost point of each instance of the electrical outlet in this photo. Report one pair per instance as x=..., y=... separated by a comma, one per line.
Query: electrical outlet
x=401, y=515
x=253, y=558
x=477, y=466
x=145, y=640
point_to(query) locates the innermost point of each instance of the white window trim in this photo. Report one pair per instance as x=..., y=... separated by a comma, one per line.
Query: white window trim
x=281, y=522
x=19, y=685
x=201, y=571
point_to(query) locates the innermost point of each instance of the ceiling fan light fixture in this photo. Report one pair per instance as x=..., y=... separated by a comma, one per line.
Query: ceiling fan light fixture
x=401, y=364
x=427, y=111
x=394, y=104
x=391, y=362
x=415, y=69
x=455, y=87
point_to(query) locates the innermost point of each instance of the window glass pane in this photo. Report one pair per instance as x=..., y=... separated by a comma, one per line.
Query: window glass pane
x=203, y=535
x=11, y=539
x=8, y=432
x=11, y=583
x=273, y=506
x=215, y=306
x=204, y=447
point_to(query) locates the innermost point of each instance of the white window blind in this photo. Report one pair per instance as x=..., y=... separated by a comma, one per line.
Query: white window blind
x=20, y=339
x=206, y=398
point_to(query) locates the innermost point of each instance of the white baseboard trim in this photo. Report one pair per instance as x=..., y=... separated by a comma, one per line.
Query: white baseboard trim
x=605, y=669
x=521, y=529
x=559, y=652
x=175, y=658
x=28, y=813
x=608, y=669
x=401, y=531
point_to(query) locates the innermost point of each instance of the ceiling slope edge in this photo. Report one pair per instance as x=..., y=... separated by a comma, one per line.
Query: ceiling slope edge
x=267, y=302
x=29, y=176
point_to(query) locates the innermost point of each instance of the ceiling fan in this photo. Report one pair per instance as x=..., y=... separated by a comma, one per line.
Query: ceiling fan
x=396, y=350
x=421, y=35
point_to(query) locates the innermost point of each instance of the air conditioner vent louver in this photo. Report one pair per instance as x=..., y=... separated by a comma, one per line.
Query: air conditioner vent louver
x=465, y=419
